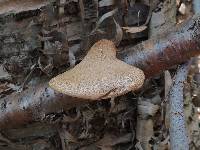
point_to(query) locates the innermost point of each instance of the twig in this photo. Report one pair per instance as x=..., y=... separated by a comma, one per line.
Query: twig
x=178, y=135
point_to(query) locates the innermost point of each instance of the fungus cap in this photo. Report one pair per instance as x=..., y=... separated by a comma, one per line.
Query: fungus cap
x=100, y=75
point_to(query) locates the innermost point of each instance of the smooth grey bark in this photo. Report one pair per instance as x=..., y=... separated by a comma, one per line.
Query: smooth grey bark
x=196, y=6
x=178, y=134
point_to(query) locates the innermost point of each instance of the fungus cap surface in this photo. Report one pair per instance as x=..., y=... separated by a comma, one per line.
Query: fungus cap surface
x=100, y=75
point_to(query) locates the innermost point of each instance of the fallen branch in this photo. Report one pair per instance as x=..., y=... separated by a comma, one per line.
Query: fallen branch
x=178, y=134
x=161, y=53
x=152, y=56
x=32, y=105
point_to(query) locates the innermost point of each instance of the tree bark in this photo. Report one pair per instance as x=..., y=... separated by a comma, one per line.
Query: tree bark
x=158, y=54
x=178, y=133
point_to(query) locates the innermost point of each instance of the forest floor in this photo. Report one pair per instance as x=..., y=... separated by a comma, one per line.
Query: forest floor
x=41, y=39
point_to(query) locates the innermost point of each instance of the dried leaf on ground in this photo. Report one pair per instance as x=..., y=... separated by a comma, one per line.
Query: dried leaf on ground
x=134, y=29
x=104, y=3
x=119, y=33
x=111, y=140
x=105, y=16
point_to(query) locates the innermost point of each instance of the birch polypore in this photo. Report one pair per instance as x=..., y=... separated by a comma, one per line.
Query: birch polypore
x=100, y=75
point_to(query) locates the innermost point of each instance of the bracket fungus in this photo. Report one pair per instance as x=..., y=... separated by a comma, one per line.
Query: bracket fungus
x=100, y=75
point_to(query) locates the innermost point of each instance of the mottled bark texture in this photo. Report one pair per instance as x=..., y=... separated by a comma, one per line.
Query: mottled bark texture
x=152, y=56
x=32, y=105
x=178, y=132
x=161, y=53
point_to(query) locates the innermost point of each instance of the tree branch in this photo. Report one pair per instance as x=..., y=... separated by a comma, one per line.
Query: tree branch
x=161, y=53
x=178, y=134
x=32, y=105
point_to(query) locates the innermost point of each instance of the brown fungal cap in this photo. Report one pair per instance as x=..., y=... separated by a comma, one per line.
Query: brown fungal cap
x=100, y=75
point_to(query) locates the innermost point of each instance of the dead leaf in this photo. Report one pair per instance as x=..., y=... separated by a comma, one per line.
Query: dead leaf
x=106, y=148
x=89, y=147
x=144, y=132
x=111, y=140
x=134, y=29
x=146, y=108
x=165, y=108
x=119, y=33
x=45, y=66
x=4, y=89
x=105, y=16
x=67, y=119
x=104, y=3
x=72, y=51
x=66, y=137
x=138, y=146
x=168, y=82
x=4, y=74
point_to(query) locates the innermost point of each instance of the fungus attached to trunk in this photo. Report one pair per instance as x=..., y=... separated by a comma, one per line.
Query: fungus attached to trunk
x=100, y=75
